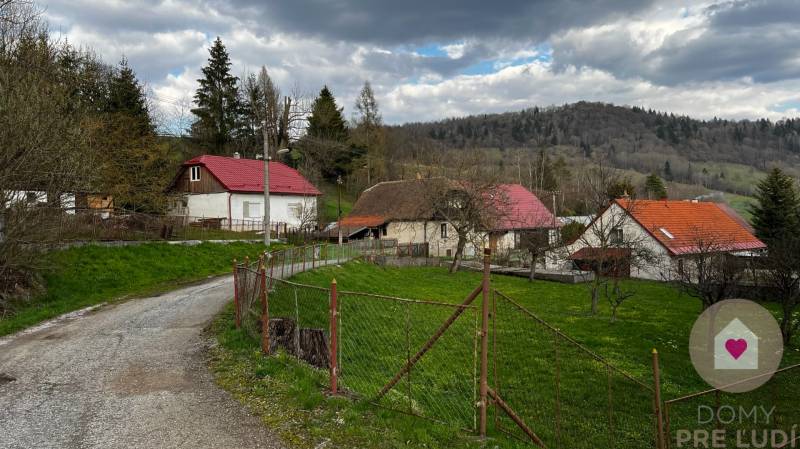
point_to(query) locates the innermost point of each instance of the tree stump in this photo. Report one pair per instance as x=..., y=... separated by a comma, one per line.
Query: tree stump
x=314, y=348
x=282, y=334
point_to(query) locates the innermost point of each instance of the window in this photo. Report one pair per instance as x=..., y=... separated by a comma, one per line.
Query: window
x=251, y=209
x=295, y=210
x=667, y=233
x=444, y=230
x=616, y=236
x=385, y=230
x=194, y=174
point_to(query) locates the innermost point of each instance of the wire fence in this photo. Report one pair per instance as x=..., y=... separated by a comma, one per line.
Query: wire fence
x=772, y=407
x=570, y=396
x=460, y=362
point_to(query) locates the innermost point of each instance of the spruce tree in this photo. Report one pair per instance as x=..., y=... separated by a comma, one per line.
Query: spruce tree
x=654, y=187
x=218, y=108
x=126, y=96
x=326, y=121
x=775, y=216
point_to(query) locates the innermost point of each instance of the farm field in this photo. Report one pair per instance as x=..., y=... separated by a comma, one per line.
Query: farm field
x=582, y=403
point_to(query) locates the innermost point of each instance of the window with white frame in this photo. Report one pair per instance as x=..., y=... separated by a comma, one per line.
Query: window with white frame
x=194, y=173
x=296, y=210
x=251, y=209
x=444, y=230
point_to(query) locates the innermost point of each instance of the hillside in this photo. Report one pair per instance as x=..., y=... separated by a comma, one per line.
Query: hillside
x=716, y=154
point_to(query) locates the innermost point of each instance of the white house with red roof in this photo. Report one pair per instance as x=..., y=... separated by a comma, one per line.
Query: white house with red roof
x=670, y=231
x=398, y=210
x=231, y=189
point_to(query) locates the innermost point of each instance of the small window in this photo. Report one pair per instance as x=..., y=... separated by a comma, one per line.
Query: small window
x=667, y=233
x=444, y=230
x=616, y=236
x=251, y=209
x=296, y=210
x=385, y=231
x=194, y=174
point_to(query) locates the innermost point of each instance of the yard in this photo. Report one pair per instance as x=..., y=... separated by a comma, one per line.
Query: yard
x=590, y=397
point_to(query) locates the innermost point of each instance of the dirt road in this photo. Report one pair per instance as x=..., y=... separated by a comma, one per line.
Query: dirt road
x=131, y=375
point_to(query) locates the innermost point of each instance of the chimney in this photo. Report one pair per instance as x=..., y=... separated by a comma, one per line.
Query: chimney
x=236, y=155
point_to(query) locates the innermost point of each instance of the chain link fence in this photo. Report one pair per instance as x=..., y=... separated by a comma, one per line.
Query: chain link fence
x=750, y=418
x=568, y=395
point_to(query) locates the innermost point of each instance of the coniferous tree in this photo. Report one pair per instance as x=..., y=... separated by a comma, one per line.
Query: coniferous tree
x=369, y=134
x=654, y=187
x=775, y=216
x=326, y=121
x=126, y=96
x=218, y=108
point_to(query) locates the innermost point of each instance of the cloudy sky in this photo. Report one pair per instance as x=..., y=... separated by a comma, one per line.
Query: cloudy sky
x=435, y=59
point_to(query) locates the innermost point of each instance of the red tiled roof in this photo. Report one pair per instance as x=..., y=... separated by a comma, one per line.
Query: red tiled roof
x=363, y=221
x=521, y=209
x=247, y=175
x=687, y=227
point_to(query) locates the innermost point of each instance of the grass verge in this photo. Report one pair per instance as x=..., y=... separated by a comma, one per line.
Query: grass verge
x=84, y=276
x=289, y=397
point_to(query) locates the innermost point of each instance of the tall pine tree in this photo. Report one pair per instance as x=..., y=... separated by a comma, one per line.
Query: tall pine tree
x=326, y=121
x=775, y=216
x=218, y=108
x=126, y=96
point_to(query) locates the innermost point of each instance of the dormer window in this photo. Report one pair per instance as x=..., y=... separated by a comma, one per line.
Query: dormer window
x=194, y=174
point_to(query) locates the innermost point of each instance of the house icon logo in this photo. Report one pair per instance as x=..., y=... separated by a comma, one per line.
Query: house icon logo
x=736, y=347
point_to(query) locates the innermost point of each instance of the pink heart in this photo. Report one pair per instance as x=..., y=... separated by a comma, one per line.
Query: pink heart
x=736, y=347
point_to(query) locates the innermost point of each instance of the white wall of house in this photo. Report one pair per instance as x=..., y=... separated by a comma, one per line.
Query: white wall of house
x=289, y=209
x=37, y=197
x=660, y=269
x=439, y=245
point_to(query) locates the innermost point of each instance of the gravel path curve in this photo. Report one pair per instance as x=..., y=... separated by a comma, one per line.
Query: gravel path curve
x=129, y=375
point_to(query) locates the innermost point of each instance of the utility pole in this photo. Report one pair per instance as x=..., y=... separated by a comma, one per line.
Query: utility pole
x=339, y=208
x=266, y=184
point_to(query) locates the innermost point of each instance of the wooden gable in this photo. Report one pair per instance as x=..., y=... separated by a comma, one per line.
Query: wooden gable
x=208, y=183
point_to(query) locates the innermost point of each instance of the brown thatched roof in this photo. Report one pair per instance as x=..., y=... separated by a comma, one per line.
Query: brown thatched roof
x=397, y=200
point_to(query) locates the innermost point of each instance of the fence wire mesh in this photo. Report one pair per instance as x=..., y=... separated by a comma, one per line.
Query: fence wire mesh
x=384, y=339
x=714, y=409
x=567, y=395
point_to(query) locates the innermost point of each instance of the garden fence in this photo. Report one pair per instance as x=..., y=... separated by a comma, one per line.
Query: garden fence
x=484, y=363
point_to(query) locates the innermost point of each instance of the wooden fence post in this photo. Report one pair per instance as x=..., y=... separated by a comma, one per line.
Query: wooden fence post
x=334, y=337
x=237, y=312
x=484, y=379
x=264, y=310
x=657, y=402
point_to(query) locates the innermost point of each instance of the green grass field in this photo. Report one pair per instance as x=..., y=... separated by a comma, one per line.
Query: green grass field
x=569, y=398
x=84, y=276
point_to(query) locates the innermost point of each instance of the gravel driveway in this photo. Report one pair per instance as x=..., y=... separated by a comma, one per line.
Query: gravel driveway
x=130, y=375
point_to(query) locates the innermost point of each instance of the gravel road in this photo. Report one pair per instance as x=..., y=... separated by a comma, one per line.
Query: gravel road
x=129, y=375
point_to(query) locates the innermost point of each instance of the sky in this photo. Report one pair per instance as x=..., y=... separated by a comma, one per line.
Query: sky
x=429, y=60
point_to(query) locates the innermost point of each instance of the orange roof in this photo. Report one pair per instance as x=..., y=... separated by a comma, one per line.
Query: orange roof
x=687, y=227
x=365, y=221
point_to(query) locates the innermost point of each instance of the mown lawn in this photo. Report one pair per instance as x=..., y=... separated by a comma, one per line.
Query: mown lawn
x=80, y=277
x=569, y=398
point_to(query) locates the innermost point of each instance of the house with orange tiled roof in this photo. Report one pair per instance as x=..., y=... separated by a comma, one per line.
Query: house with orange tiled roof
x=671, y=231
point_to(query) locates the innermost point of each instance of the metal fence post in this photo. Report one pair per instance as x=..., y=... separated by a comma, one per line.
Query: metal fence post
x=237, y=315
x=264, y=310
x=657, y=402
x=484, y=379
x=334, y=339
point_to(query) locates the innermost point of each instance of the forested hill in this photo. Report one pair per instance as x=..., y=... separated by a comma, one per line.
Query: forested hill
x=629, y=137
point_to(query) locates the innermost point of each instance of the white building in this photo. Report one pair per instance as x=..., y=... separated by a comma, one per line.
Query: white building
x=665, y=232
x=231, y=190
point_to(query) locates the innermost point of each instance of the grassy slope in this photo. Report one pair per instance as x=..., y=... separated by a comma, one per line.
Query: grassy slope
x=329, y=211
x=657, y=317
x=81, y=277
